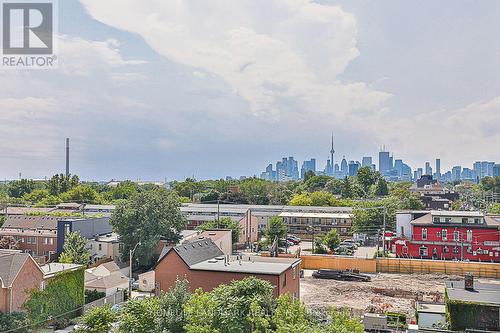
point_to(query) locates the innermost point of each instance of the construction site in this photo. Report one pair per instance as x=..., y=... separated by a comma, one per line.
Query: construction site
x=384, y=293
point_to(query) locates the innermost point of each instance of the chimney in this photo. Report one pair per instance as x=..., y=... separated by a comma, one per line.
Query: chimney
x=67, y=157
x=469, y=281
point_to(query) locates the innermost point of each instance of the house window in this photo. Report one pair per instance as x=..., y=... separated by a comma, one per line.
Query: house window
x=438, y=234
x=444, y=234
x=294, y=272
x=465, y=220
x=469, y=249
x=455, y=250
x=424, y=233
x=51, y=241
x=423, y=251
x=284, y=280
x=477, y=220
x=469, y=235
x=456, y=235
x=67, y=229
x=436, y=220
x=100, y=247
x=447, y=219
x=446, y=249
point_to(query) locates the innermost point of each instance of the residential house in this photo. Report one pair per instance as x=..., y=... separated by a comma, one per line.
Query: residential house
x=108, y=278
x=221, y=237
x=104, y=247
x=205, y=266
x=305, y=224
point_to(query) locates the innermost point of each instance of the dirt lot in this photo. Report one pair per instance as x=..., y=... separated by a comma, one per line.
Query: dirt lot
x=386, y=292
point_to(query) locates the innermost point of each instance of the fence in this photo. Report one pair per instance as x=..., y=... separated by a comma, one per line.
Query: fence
x=394, y=265
x=111, y=299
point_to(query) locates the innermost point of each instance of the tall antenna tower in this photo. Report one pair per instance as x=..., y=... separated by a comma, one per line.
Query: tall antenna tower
x=67, y=157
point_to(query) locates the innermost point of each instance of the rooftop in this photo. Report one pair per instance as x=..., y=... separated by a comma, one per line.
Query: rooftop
x=11, y=263
x=317, y=215
x=431, y=307
x=248, y=264
x=115, y=279
x=483, y=293
x=53, y=268
x=213, y=234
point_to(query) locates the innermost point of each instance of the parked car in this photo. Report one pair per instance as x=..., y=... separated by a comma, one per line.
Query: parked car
x=294, y=239
x=348, y=245
x=135, y=285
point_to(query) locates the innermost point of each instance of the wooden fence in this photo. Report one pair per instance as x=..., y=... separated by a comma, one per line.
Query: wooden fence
x=394, y=265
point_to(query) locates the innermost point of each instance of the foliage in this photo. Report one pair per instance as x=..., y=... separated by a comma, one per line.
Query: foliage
x=146, y=217
x=342, y=321
x=332, y=239
x=302, y=199
x=61, y=183
x=75, y=249
x=224, y=222
x=171, y=315
x=97, y=320
x=63, y=297
x=93, y=295
x=276, y=227
x=381, y=187
x=19, y=188
x=319, y=246
x=494, y=208
x=316, y=183
x=10, y=321
x=81, y=193
x=291, y=316
x=36, y=195
x=346, y=189
x=139, y=316
x=9, y=243
x=491, y=184
x=367, y=177
x=255, y=190
x=200, y=313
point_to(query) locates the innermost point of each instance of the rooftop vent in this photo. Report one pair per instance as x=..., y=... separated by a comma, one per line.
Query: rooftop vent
x=212, y=261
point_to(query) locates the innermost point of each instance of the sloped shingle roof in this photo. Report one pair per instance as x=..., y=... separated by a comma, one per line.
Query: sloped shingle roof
x=10, y=265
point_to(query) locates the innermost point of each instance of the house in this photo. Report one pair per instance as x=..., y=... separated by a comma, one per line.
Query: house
x=447, y=235
x=221, y=237
x=43, y=236
x=100, y=210
x=19, y=273
x=205, y=266
x=431, y=315
x=107, y=278
x=147, y=281
x=473, y=305
x=433, y=194
x=104, y=247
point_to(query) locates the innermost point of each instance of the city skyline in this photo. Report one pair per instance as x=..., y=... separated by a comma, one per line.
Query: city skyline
x=223, y=80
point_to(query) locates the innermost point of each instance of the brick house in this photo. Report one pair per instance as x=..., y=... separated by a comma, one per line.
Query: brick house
x=19, y=273
x=43, y=236
x=204, y=265
x=448, y=235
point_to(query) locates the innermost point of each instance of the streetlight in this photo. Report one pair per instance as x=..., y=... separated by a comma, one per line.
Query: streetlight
x=131, y=253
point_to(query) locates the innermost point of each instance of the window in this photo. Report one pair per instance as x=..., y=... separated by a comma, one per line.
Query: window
x=424, y=233
x=438, y=234
x=284, y=280
x=444, y=234
x=469, y=235
x=455, y=250
x=294, y=272
x=477, y=220
x=456, y=235
x=67, y=229
x=465, y=220
x=45, y=241
x=423, y=251
x=446, y=249
x=436, y=219
x=469, y=249
x=51, y=241
x=447, y=219
x=100, y=247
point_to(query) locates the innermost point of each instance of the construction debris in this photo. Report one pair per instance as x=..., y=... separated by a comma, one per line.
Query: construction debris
x=347, y=275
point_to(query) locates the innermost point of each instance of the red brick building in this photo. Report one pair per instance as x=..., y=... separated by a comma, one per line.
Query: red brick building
x=449, y=235
x=19, y=274
x=205, y=266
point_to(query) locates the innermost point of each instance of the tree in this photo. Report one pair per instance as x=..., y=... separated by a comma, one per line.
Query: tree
x=81, y=193
x=381, y=187
x=200, y=312
x=302, y=199
x=146, y=217
x=140, y=316
x=366, y=177
x=9, y=243
x=19, y=188
x=291, y=316
x=171, y=315
x=342, y=321
x=308, y=174
x=332, y=239
x=224, y=222
x=61, y=183
x=316, y=183
x=255, y=190
x=276, y=227
x=75, y=249
x=97, y=320
x=322, y=198
x=494, y=208
x=346, y=190
x=36, y=195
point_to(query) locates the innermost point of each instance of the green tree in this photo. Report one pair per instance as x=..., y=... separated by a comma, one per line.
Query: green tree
x=146, y=217
x=224, y=222
x=406, y=199
x=36, y=195
x=494, y=208
x=200, y=312
x=11, y=322
x=366, y=177
x=75, y=249
x=342, y=321
x=140, y=316
x=316, y=183
x=255, y=190
x=332, y=239
x=124, y=190
x=171, y=315
x=276, y=227
x=381, y=187
x=291, y=316
x=97, y=320
x=346, y=190
x=19, y=188
x=322, y=198
x=81, y=193
x=302, y=199
x=61, y=183
x=308, y=174
x=319, y=246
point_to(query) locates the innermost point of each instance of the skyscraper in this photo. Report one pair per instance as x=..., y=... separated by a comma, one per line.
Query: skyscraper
x=384, y=162
x=353, y=168
x=438, y=166
x=343, y=167
x=308, y=166
x=332, y=151
x=456, y=173
x=367, y=161
x=428, y=168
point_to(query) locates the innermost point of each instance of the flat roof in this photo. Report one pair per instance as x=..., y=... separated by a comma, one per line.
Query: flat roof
x=268, y=208
x=431, y=307
x=483, y=293
x=53, y=268
x=247, y=265
x=318, y=215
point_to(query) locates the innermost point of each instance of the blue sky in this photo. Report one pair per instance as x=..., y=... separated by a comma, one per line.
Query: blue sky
x=153, y=89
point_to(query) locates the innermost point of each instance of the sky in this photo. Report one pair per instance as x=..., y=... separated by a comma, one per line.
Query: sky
x=157, y=89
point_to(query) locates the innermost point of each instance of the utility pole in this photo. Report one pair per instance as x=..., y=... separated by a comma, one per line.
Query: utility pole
x=383, y=231
x=218, y=213
x=131, y=253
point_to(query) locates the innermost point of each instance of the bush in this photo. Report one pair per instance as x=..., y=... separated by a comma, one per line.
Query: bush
x=93, y=295
x=11, y=321
x=97, y=320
